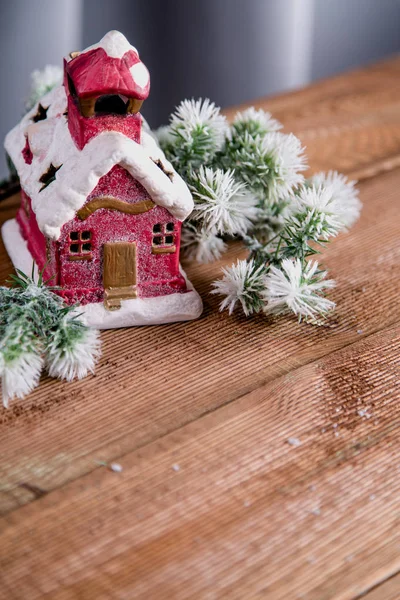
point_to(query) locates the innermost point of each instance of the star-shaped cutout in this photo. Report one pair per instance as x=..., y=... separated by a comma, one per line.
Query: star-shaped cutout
x=160, y=165
x=49, y=176
x=41, y=114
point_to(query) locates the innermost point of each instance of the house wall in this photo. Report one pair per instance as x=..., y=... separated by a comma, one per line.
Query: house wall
x=157, y=274
x=43, y=251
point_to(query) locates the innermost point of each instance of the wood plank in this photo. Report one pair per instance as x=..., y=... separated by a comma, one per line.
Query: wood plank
x=61, y=430
x=347, y=122
x=225, y=507
x=388, y=590
x=244, y=514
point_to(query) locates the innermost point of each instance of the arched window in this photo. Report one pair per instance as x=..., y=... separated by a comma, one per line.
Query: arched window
x=108, y=104
x=115, y=104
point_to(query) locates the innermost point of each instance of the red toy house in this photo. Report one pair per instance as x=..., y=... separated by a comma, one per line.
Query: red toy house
x=101, y=207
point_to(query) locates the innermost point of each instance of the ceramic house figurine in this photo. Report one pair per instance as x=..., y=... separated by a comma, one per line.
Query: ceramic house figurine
x=101, y=207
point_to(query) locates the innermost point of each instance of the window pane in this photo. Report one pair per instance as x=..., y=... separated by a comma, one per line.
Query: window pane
x=86, y=247
x=74, y=235
x=86, y=235
x=113, y=104
x=157, y=228
x=157, y=240
x=74, y=248
x=170, y=227
x=169, y=239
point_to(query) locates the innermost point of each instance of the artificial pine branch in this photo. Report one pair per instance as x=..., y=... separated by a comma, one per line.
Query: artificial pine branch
x=38, y=330
x=247, y=181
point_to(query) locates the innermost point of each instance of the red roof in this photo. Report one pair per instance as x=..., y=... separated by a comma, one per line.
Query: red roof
x=95, y=73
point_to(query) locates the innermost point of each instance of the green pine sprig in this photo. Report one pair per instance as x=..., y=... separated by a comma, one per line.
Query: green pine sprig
x=38, y=330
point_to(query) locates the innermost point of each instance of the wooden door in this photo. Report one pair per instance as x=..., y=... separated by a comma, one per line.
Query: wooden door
x=119, y=273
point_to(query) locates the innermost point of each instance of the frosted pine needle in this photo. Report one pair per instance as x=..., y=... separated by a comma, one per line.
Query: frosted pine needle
x=297, y=288
x=222, y=203
x=287, y=162
x=247, y=180
x=241, y=283
x=73, y=350
x=192, y=114
x=42, y=82
x=36, y=328
x=196, y=132
x=255, y=122
x=345, y=200
x=270, y=165
x=314, y=207
x=20, y=375
x=201, y=245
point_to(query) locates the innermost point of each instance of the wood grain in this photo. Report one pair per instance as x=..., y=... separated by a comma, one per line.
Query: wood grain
x=389, y=590
x=213, y=502
x=226, y=501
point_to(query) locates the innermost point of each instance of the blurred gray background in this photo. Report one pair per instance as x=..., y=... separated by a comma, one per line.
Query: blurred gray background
x=228, y=50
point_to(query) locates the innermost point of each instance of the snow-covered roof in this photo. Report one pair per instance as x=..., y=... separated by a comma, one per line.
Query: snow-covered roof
x=51, y=144
x=110, y=66
x=114, y=43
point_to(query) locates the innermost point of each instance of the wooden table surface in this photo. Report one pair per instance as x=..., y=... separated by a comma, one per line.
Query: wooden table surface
x=213, y=502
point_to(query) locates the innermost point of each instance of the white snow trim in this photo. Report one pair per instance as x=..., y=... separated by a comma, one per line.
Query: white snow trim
x=145, y=311
x=140, y=74
x=51, y=143
x=17, y=248
x=140, y=311
x=114, y=43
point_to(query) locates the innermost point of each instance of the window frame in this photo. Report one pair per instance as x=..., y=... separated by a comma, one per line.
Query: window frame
x=162, y=232
x=80, y=242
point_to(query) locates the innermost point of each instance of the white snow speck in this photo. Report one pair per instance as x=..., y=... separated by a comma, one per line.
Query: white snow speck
x=116, y=467
x=175, y=467
x=359, y=331
x=372, y=497
x=316, y=511
x=293, y=441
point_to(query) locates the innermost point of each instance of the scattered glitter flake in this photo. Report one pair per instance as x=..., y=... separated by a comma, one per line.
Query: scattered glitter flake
x=359, y=331
x=372, y=497
x=116, y=467
x=246, y=503
x=316, y=512
x=335, y=425
x=176, y=467
x=336, y=434
x=312, y=488
x=293, y=441
x=349, y=557
x=364, y=413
